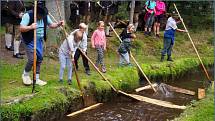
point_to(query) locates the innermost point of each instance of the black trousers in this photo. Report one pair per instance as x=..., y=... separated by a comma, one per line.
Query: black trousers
x=84, y=59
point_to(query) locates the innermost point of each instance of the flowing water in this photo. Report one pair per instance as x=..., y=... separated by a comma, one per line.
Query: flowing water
x=122, y=109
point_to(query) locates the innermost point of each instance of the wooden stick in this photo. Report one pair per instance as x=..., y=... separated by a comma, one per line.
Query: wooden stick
x=85, y=109
x=98, y=70
x=77, y=79
x=146, y=87
x=35, y=47
x=192, y=44
x=142, y=71
x=180, y=90
x=134, y=60
x=154, y=101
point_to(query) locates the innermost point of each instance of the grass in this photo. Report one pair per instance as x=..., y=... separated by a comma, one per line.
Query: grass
x=202, y=110
x=145, y=49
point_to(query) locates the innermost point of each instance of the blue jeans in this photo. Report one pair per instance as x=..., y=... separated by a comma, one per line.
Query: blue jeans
x=124, y=58
x=167, y=47
x=65, y=60
x=149, y=21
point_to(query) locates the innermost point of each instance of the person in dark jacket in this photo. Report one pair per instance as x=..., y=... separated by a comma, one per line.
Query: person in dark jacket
x=27, y=27
x=85, y=9
x=74, y=16
x=127, y=37
x=12, y=14
x=137, y=10
x=108, y=10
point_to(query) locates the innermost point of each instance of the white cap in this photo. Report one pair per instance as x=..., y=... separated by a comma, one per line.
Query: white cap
x=82, y=25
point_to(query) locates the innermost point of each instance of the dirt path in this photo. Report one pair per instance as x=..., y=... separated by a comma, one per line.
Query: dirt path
x=7, y=56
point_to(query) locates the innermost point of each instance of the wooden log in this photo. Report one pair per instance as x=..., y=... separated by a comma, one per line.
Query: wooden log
x=85, y=109
x=146, y=87
x=201, y=93
x=18, y=99
x=154, y=101
x=180, y=90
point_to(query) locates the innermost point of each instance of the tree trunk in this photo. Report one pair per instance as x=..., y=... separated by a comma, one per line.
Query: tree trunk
x=132, y=12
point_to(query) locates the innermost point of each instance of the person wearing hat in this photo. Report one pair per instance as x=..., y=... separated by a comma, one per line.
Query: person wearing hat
x=169, y=36
x=83, y=46
x=27, y=27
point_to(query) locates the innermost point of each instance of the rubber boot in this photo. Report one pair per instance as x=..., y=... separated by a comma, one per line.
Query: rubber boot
x=16, y=53
x=169, y=58
x=8, y=41
x=135, y=26
x=162, y=58
x=87, y=29
x=108, y=31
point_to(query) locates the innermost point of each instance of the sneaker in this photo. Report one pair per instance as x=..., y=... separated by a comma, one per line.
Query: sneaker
x=145, y=33
x=40, y=82
x=169, y=58
x=21, y=53
x=26, y=80
x=149, y=33
x=69, y=82
x=9, y=48
x=60, y=81
x=157, y=35
x=103, y=69
x=18, y=56
x=88, y=72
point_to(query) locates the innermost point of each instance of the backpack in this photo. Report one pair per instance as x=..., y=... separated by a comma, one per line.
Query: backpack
x=28, y=36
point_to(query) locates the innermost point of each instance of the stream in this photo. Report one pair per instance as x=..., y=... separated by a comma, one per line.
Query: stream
x=122, y=109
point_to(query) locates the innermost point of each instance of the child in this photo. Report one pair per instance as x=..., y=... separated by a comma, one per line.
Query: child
x=149, y=16
x=98, y=41
x=169, y=36
x=124, y=48
x=67, y=52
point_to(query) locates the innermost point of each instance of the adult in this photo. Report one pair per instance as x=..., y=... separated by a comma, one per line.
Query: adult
x=14, y=12
x=27, y=27
x=149, y=16
x=85, y=9
x=107, y=13
x=169, y=36
x=74, y=15
x=137, y=11
x=160, y=11
x=83, y=46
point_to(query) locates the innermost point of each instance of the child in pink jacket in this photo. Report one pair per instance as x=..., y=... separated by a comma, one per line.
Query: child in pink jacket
x=98, y=41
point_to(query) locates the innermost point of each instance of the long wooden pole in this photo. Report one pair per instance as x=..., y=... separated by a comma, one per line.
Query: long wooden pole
x=205, y=70
x=135, y=61
x=66, y=35
x=35, y=47
x=98, y=70
x=77, y=78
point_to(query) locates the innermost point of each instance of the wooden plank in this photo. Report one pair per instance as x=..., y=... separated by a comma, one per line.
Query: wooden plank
x=180, y=90
x=146, y=87
x=154, y=101
x=85, y=109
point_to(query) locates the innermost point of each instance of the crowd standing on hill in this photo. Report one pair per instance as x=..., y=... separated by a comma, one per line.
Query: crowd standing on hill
x=19, y=23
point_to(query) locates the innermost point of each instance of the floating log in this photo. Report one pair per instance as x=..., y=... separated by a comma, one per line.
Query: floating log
x=154, y=101
x=85, y=109
x=180, y=90
x=146, y=87
x=172, y=88
x=201, y=93
x=18, y=100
